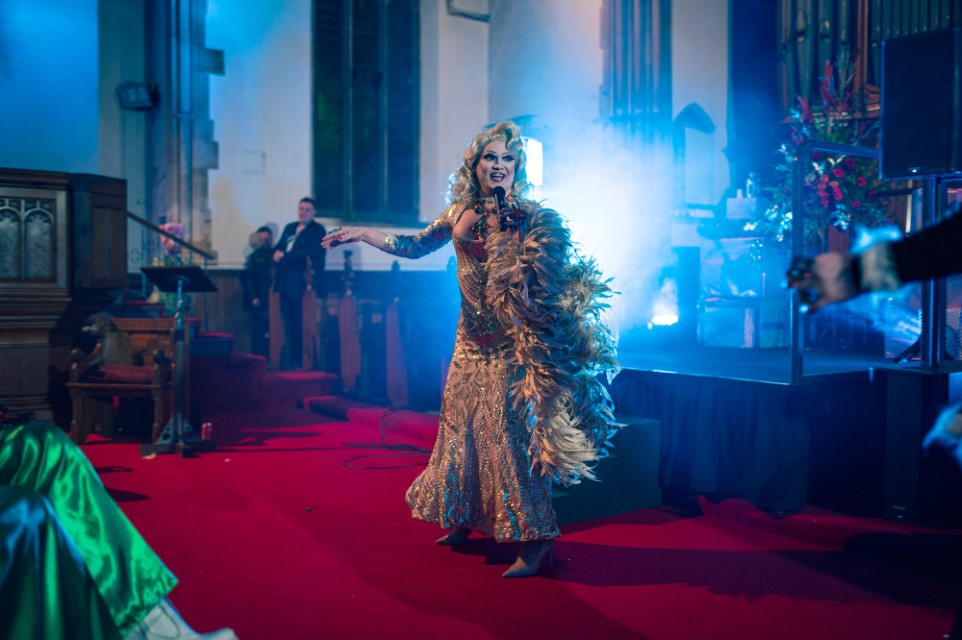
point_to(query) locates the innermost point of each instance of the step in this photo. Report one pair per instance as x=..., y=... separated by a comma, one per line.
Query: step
x=275, y=379
x=292, y=387
x=629, y=477
x=336, y=406
x=207, y=343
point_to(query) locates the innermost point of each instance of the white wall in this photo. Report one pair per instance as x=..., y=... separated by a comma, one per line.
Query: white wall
x=546, y=60
x=454, y=96
x=49, y=85
x=60, y=110
x=545, y=73
x=699, y=37
x=121, y=59
x=261, y=109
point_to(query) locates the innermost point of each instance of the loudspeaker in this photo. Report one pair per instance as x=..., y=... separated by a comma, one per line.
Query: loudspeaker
x=921, y=98
x=920, y=487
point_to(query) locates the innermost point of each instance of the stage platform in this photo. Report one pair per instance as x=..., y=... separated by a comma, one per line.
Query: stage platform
x=848, y=437
x=756, y=365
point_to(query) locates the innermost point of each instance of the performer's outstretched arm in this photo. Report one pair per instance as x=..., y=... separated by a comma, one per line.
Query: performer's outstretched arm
x=433, y=237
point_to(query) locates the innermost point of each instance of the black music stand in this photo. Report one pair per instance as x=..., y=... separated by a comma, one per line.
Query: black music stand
x=178, y=436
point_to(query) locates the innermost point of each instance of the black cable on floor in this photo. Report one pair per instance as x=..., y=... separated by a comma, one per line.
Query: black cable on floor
x=399, y=449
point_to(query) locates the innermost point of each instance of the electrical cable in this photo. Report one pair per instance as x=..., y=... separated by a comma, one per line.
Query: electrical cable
x=398, y=449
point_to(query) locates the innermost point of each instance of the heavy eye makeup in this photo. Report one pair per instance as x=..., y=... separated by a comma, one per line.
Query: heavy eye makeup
x=506, y=158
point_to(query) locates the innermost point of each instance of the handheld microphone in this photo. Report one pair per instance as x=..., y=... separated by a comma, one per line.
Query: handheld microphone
x=500, y=195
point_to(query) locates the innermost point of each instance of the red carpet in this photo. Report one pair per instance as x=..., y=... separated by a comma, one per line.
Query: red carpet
x=276, y=537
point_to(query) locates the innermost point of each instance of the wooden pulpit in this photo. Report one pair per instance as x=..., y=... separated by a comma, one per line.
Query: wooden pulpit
x=63, y=248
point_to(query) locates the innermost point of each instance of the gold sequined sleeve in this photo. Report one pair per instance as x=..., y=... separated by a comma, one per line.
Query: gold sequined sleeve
x=436, y=235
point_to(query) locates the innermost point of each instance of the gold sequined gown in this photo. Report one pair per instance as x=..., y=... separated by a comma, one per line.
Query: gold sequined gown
x=479, y=475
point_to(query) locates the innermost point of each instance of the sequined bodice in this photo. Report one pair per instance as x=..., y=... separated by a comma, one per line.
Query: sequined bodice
x=478, y=325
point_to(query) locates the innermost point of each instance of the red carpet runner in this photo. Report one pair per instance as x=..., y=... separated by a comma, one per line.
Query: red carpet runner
x=276, y=537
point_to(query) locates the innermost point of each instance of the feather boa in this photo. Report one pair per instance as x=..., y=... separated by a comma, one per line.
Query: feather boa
x=550, y=299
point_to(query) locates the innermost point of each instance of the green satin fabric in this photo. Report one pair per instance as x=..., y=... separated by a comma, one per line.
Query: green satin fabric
x=129, y=576
x=45, y=590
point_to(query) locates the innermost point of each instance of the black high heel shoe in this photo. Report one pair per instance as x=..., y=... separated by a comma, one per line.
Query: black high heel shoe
x=529, y=559
x=454, y=537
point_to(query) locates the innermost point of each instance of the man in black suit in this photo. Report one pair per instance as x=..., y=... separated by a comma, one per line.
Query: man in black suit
x=299, y=241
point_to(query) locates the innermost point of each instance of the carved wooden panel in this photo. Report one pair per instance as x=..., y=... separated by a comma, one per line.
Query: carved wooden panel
x=37, y=329
x=99, y=220
x=141, y=338
x=55, y=241
x=28, y=235
x=11, y=241
x=40, y=241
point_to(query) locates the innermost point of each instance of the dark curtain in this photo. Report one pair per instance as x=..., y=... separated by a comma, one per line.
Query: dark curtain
x=779, y=446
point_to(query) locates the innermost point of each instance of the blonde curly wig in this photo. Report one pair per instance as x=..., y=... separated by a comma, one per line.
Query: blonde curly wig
x=464, y=182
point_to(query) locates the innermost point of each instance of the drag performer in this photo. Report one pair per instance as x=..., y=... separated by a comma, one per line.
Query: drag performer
x=522, y=405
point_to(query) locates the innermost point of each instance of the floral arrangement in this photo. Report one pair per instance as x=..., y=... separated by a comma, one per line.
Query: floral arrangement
x=839, y=191
x=168, y=246
x=170, y=255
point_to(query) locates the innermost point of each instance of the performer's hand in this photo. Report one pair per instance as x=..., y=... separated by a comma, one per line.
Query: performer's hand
x=342, y=235
x=945, y=439
x=256, y=302
x=511, y=219
x=278, y=255
x=823, y=280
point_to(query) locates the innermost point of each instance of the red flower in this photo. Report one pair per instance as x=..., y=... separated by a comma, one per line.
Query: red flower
x=849, y=162
x=871, y=195
x=806, y=114
x=861, y=181
x=838, y=173
x=856, y=204
x=827, y=89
